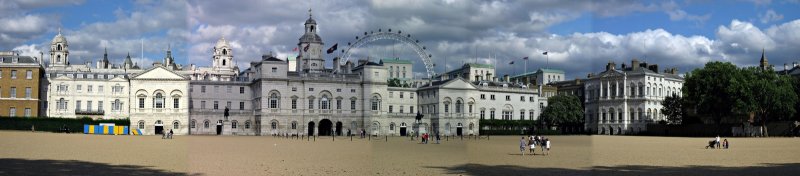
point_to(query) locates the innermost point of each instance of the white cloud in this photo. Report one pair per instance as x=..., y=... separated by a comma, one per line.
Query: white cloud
x=28, y=50
x=770, y=16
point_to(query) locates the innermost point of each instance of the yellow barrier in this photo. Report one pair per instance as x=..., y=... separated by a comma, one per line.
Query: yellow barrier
x=91, y=129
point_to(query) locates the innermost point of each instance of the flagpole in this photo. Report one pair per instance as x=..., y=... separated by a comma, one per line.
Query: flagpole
x=526, y=67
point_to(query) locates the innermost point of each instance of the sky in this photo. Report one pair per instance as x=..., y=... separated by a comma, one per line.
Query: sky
x=579, y=36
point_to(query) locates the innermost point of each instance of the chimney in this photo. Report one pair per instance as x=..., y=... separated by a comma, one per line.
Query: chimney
x=336, y=66
x=635, y=64
x=654, y=68
x=610, y=66
x=506, y=78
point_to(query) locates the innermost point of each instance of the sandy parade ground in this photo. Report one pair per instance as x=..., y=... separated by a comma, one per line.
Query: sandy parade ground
x=41, y=153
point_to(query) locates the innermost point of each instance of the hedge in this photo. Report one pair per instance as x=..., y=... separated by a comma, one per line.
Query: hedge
x=53, y=124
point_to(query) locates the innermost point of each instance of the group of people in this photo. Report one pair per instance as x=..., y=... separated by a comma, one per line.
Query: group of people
x=425, y=137
x=716, y=143
x=532, y=142
x=167, y=135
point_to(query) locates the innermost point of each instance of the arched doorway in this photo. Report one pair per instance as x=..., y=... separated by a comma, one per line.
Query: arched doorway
x=311, y=128
x=219, y=127
x=159, y=127
x=403, y=129
x=459, y=129
x=338, y=128
x=325, y=127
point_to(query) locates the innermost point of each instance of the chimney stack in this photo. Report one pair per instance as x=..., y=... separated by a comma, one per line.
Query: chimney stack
x=635, y=64
x=506, y=78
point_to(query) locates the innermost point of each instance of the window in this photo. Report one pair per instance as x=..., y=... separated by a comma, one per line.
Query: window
x=375, y=103
x=13, y=74
x=27, y=112
x=12, y=112
x=202, y=104
x=100, y=105
x=353, y=104
x=391, y=94
x=483, y=96
x=13, y=92
x=247, y=124
x=411, y=96
x=274, y=70
x=352, y=90
x=491, y=97
x=522, y=114
x=216, y=104
x=491, y=114
x=338, y=90
x=273, y=125
x=522, y=98
x=310, y=103
x=323, y=103
x=530, y=99
x=294, y=125
x=338, y=103
x=116, y=105
x=141, y=102
x=391, y=108
x=459, y=105
x=99, y=89
x=294, y=103
x=205, y=124
x=310, y=89
x=158, y=101
x=203, y=89
x=446, y=107
x=78, y=88
x=294, y=89
x=483, y=114
x=507, y=115
x=89, y=105
x=192, y=124
x=28, y=74
x=401, y=109
x=391, y=127
x=241, y=90
x=411, y=110
x=234, y=124
x=89, y=89
x=401, y=94
x=241, y=105
x=273, y=100
x=176, y=125
x=508, y=97
x=175, y=103
x=27, y=92
x=78, y=105
x=141, y=124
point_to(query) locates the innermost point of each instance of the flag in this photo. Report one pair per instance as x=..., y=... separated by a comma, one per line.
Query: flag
x=525, y=58
x=305, y=49
x=295, y=49
x=545, y=53
x=511, y=63
x=333, y=48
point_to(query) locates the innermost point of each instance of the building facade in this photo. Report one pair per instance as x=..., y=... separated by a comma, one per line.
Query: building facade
x=623, y=100
x=20, y=81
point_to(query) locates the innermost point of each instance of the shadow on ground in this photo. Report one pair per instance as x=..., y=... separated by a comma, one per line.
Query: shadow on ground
x=13, y=166
x=764, y=169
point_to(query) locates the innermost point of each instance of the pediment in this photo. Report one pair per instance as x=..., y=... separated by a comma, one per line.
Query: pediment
x=458, y=84
x=611, y=74
x=160, y=73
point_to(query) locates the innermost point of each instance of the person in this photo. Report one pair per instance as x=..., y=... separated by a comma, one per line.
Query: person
x=547, y=143
x=725, y=144
x=163, y=135
x=33, y=129
x=348, y=132
x=522, y=146
x=437, y=138
x=425, y=138
x=170, y=134
x=718, y=142
x=542, y=143
x=532, y=143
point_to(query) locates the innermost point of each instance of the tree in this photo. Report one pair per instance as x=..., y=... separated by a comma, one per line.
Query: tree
x=394, y=82
x=768, y=96
x=562, y=109
x=673, y=109
x=712, y=90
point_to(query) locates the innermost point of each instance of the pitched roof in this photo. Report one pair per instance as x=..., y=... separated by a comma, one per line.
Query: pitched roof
x=395, y=61
x=476, y=65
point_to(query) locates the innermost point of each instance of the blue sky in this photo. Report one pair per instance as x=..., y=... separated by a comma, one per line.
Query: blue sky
x=581, y=36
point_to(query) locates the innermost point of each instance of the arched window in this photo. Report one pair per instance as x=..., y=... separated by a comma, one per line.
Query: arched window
x=324, y=103
x=234, y=124
x=376, y=103
x=141, y=124
x=273, y=100
x=223, y=62
x=158, y=101
x=58, y=47
x=159, y=122
x=192, y=124
x=117, y=105
x=175, y=125
x=471, y=125
x=247, y=124
x=459, y=105
x=294, y=125
x=205, y=124
x=224, y=52
x=273, y=125
x=391, y=127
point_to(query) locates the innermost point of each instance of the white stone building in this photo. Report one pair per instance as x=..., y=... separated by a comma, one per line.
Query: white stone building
x=161, y=101
x=623, y=100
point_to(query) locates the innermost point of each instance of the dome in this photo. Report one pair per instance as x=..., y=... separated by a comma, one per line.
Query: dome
x=222, y=43
x=311, y=21
x=310, y=38
x=59, y=38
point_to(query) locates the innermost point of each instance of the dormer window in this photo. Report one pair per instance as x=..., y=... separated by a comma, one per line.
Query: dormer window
x=224, y=52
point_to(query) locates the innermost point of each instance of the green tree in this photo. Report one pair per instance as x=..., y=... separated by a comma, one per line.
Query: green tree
x=768, y=96
x=394, y=82
x=562, y=109
x=673, y=109
x=712, y=90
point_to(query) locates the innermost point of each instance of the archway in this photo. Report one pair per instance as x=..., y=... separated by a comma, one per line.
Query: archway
x=338, y=128
x=403, y=129
x=311, y=128
x=325, y=127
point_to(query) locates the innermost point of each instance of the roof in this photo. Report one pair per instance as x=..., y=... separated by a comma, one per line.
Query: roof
x=7, y=59
x=541, y=70
x=272, y=58
x=310, y=38
x=395, y=61
x=475, y=65
x=222, y=43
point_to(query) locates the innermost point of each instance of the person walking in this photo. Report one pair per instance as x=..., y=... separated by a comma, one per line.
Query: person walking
x=437, y=138
x=543, y=143
x=532, y=143
x=547, y=144
x=171, y=133
x=725, y=144
x=522, y=146
x=717, y=142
